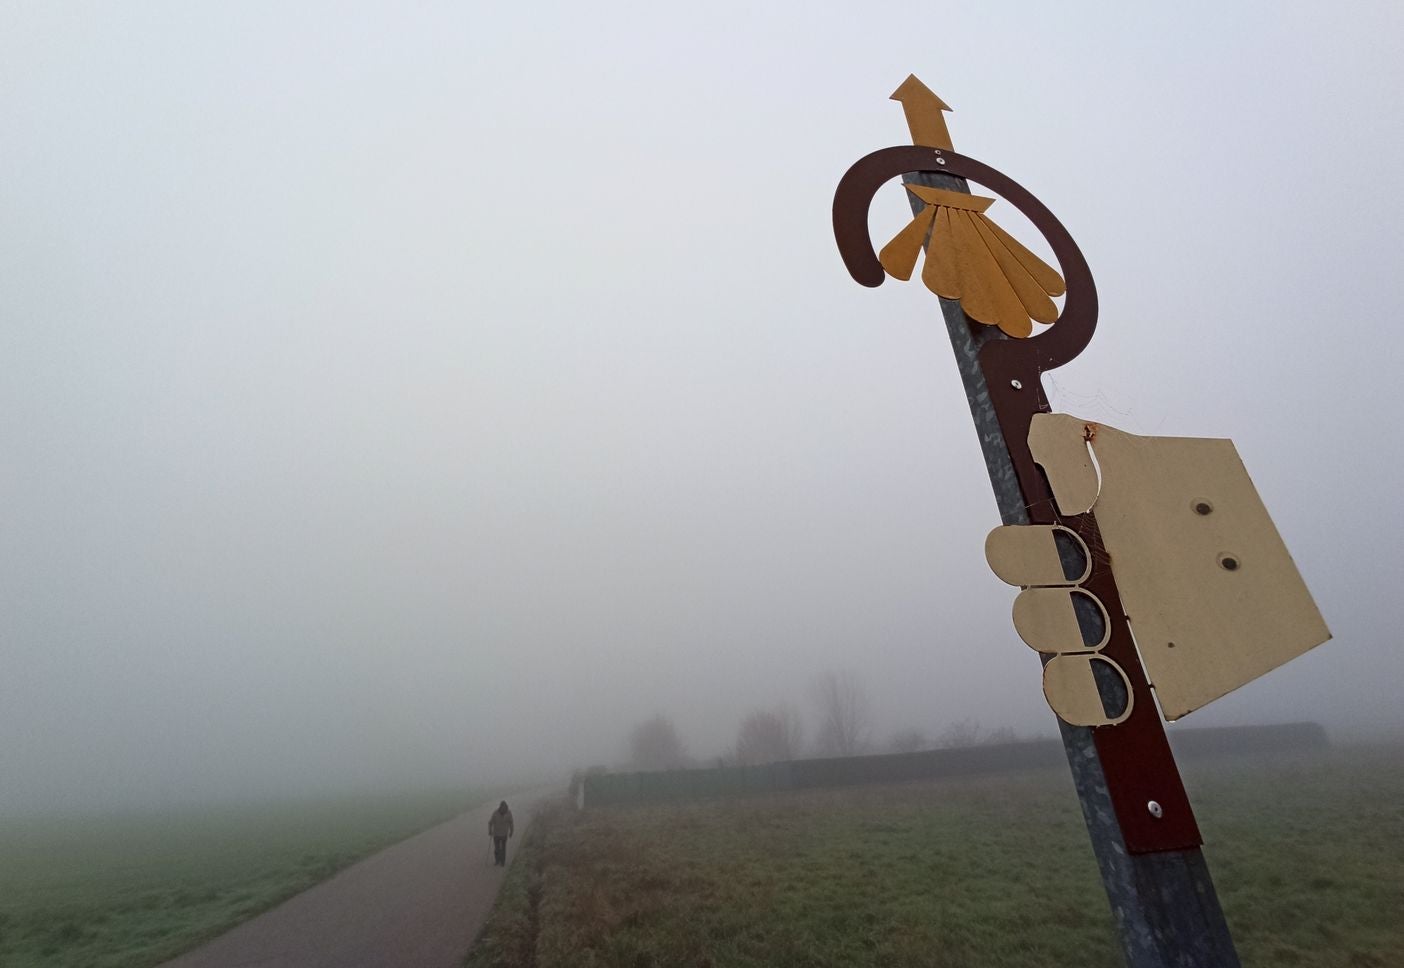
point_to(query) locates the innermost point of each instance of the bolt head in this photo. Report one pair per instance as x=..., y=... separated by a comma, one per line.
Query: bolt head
x=1154, y=808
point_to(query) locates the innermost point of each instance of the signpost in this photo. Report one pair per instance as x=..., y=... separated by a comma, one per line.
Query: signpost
x=993, y=290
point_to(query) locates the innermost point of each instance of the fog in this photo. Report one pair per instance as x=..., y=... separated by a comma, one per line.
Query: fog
x=395, y=395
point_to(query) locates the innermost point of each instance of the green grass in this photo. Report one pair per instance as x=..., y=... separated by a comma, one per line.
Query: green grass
x=1308, y=857
x=129, y=891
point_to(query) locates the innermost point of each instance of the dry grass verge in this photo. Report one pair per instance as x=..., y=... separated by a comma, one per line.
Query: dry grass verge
x=1308, y=856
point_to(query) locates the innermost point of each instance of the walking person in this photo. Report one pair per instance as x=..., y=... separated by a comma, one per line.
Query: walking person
x=499, y=829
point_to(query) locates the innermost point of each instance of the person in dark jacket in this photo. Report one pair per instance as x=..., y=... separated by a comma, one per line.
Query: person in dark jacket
x=499, y=829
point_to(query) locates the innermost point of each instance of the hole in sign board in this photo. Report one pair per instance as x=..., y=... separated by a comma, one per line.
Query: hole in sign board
x=1073, y=553
x=1052, y=620
x=1037, y=554
x=1070, y=686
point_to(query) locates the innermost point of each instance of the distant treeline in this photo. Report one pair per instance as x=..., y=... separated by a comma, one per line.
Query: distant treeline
x=604, y=789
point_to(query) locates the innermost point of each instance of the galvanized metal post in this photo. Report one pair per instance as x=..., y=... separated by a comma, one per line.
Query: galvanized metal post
x=1166, y=910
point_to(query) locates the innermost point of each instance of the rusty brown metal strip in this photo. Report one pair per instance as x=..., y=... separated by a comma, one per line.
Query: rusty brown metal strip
x=1136, y=757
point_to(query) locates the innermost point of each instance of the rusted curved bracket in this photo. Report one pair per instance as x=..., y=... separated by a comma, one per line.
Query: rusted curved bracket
x=1056, y=345
x=1012, y=367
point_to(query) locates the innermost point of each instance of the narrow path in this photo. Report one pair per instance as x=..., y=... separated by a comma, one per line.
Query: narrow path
x=417, y=904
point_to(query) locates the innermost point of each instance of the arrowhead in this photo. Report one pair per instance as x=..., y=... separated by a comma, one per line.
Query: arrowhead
x=919, y=95
x=924, y=110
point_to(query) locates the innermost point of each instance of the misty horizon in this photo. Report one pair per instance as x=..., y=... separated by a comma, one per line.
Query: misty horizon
x=408, y=398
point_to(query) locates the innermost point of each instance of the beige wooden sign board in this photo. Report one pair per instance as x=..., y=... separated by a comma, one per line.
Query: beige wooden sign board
x=1213, y=596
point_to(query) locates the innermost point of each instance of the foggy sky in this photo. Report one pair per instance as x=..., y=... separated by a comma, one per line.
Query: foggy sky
x=394, y=394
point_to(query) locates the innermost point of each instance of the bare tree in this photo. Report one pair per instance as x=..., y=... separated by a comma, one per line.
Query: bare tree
x=1001, y=734
x=909, y=741
x=967, y=732
x=768, y=736
x=654, y=744
x=843, y=714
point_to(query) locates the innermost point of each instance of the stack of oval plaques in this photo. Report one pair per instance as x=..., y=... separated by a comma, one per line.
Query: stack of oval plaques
x=1054, y=615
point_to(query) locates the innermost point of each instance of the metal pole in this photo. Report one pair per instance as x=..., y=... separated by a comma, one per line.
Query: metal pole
x=1166, y=910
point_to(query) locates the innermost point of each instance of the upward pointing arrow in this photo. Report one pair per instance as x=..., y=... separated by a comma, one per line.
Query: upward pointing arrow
x=924, y=113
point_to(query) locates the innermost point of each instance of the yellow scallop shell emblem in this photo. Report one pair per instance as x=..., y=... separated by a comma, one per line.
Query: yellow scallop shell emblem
x=968, y=257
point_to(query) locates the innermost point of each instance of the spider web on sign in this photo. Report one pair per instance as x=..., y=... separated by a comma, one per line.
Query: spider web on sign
x=1097, y=407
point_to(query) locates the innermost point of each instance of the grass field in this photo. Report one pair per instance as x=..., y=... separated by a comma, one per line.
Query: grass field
x=1308, y=857
x=129, y=891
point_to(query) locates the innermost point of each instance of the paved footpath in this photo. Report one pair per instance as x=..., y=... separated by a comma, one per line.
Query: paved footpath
x=418, y=904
